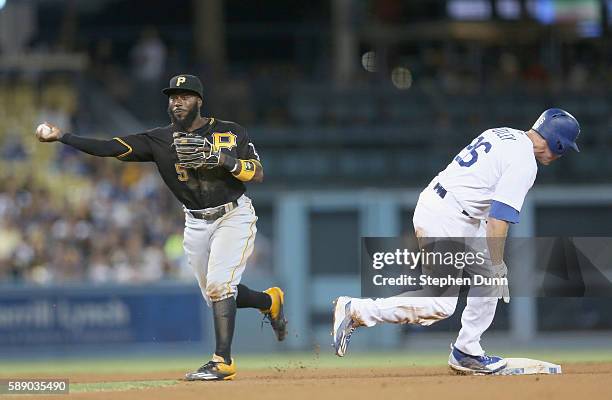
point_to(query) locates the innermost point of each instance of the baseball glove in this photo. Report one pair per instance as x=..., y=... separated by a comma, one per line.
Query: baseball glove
x=195, y=151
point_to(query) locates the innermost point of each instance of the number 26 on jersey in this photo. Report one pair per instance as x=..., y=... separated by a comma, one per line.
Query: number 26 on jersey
x=469, y=155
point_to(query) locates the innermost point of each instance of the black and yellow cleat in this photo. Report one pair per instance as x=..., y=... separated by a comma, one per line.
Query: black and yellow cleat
x=214, y=370
x=275, y=314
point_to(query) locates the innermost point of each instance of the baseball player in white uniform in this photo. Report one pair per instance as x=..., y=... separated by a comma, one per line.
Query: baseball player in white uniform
x=479, y=194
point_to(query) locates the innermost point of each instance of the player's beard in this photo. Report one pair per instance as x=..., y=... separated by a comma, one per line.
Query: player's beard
x=184, y=123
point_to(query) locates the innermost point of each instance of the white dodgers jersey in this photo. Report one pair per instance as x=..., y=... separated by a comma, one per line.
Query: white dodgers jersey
x=499, y=165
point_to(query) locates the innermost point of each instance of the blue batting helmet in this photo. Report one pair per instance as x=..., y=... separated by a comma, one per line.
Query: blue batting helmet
x=559, y=128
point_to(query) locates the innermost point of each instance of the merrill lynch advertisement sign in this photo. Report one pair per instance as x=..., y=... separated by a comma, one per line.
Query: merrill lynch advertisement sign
x=34, y=318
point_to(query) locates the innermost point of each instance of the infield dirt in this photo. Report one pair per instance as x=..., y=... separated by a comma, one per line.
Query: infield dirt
x=578, y=381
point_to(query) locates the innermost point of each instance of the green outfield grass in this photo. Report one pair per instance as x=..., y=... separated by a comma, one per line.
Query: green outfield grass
x=279, y=361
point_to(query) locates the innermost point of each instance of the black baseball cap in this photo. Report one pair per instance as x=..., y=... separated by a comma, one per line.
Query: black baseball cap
x=188, y=83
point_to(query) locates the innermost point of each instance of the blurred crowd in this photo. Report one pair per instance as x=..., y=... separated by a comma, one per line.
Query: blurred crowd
x=65, y=216
x=262, y=91
x=69, y=217
x=134, y=77
x=91, y=219
x=87, y=219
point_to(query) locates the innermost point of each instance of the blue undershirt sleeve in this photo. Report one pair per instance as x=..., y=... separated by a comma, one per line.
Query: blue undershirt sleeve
x=504, y=212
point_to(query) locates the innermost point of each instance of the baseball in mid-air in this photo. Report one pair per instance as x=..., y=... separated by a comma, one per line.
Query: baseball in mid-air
x=43, y=130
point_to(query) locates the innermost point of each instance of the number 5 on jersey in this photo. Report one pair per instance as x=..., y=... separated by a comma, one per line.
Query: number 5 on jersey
x=472, y=151
x=182, y=173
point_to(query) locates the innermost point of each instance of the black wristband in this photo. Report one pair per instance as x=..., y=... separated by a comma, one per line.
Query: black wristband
x=229, y=162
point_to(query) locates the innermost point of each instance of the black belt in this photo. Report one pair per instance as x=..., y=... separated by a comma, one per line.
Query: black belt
x=439, y=189
x=211, y=214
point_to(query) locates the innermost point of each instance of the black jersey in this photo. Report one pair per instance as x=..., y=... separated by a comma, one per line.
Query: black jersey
x=196, y=188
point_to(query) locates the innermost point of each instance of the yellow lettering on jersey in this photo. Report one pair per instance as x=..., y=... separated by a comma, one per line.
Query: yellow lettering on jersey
x=182, y=173
x=180, y=80
x=224, y=140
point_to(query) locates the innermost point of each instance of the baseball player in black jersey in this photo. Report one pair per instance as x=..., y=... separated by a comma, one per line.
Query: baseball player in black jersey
x=205, y=162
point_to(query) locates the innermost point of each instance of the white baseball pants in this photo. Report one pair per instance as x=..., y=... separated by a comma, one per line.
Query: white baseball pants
x=435, y=217
x=218, y=250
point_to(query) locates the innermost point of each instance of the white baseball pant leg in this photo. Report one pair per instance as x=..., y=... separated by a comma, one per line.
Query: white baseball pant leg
x=435, y=217
x=217, y=251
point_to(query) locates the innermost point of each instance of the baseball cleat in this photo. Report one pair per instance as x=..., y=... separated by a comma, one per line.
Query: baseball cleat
x=275, y=314
x=344, y=325
x=467, y=364
x=214, y=370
